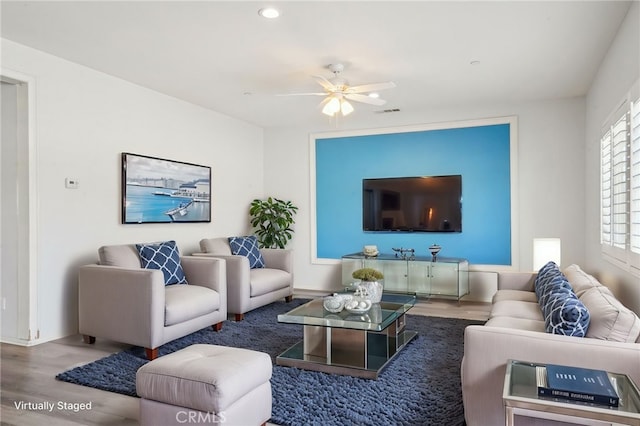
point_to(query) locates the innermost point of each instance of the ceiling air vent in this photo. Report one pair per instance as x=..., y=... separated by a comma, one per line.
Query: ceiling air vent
x=386, y=111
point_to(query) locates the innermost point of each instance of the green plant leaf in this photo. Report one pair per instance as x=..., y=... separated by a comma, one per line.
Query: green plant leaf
x=272, y=219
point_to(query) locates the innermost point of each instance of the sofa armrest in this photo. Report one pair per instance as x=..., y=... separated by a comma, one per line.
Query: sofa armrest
x=238, y=280
x=278, y=259
x=488, y=349
x=516, y=281
x=122, y=304
x=206, y=272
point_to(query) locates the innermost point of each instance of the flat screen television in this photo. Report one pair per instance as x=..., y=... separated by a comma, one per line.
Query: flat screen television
x=412, y=204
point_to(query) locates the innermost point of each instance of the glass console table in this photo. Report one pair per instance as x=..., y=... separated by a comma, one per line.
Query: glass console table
x=358, y=345
x=520, y=396
x=447, y=277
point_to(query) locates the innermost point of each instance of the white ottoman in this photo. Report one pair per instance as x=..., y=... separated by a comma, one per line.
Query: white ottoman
x=206, y=384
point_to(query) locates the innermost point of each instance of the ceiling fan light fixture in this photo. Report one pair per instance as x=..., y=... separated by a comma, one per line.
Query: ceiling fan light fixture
x=346, y=108
x=374, y=95
x=331, y=107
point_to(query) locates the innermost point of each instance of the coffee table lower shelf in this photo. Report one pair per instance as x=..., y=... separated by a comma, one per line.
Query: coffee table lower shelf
x=348, y=352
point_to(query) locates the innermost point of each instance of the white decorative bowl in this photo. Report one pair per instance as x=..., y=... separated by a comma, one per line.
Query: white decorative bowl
x=333, y=304
x=358, y=305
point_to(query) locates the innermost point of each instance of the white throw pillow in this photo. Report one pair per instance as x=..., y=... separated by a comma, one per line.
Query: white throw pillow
x=580, y=281
x=610, y=319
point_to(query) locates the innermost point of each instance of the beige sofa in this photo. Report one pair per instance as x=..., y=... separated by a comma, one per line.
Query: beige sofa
x=248, y=289
x=516, y=330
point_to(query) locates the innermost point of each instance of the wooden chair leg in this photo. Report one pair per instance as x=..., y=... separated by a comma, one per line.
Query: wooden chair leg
x=288, y=298
x=217, y=327
x=90, y=340
x=151, y=353
x=239, y=317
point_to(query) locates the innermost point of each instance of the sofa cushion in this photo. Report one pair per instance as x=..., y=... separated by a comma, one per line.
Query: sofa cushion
x=516, y=323
x=580, y=281
x=610, y=319
x=185, y=302
x=219, y=246
x=565, y=314
x=517, y=309
x=524, y=296
x=248, y=247
x=165, y=257
x=123, y=256
x=265, y=280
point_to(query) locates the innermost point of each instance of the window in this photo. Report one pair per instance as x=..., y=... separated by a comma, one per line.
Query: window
x=620, y=185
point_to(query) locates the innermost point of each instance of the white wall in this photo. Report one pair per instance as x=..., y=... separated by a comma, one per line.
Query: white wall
x=619, y=70
x=85, y=119
x=550, y=166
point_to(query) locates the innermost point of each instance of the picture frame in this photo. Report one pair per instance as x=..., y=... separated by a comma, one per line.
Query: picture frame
x=157, y=190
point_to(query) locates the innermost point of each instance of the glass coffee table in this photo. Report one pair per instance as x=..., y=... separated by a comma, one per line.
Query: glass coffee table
x=520, y=397
x=359, y=345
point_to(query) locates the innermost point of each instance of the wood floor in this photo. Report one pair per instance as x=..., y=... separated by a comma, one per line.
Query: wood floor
x=28, y=376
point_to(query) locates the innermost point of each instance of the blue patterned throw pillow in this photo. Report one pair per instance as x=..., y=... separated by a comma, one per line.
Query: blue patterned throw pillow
x=546, y=275
x=554, y=284
x=248, y=247
x=565, y=314
x=165, y=257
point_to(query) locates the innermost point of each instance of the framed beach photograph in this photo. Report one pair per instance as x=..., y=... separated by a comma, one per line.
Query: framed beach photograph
x=155, y=190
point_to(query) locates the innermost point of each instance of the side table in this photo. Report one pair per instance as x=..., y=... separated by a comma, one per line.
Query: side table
x=520, y=397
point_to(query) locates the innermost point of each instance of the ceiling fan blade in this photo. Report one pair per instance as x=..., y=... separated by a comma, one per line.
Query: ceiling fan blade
x=303, y=94
x=373, y=87
x=365, y=99
x=324, y=101
x=325, y=83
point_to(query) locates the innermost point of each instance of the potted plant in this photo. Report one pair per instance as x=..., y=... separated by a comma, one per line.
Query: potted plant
x=272, y=219
x=369, y=279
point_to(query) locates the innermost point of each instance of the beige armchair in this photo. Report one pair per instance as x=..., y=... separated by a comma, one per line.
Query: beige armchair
x=248, y=289
x=121, y=301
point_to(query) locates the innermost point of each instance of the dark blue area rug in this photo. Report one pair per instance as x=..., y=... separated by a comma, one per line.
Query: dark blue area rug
x=421, y=386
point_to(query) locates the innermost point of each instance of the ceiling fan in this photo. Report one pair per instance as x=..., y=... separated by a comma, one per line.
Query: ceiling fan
x=338, y=92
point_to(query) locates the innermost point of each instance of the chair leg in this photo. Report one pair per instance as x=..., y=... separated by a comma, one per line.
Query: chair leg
x=89, y=340
x=151, y=353
x=217, y=327
x=288, y=298
x=239, y=317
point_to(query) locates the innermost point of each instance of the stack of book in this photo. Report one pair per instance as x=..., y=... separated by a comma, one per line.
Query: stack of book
x=576, y=384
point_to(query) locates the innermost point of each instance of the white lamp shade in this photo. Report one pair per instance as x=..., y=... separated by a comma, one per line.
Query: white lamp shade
x=546, y=250
x=331, y=107
x=346, y=107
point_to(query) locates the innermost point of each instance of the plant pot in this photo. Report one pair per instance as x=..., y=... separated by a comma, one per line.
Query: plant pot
x=374, y=289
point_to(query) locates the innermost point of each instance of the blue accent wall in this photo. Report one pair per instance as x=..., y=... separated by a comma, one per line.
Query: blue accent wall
x=480, y=154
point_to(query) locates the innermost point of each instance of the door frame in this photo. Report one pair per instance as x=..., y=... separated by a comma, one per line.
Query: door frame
x=28, y=330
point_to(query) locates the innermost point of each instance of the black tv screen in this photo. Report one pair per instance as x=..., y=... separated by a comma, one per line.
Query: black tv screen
x=412, y=204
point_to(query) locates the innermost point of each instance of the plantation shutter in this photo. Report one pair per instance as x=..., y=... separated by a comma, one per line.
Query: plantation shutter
x=634, y=160
x=605, y=190
x=619, y=183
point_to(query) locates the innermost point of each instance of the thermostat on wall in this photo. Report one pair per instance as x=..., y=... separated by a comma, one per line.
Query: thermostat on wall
x=71, y=183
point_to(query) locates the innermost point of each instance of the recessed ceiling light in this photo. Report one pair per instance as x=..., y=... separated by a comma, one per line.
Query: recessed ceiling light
x=269, y=12
x=374, y=95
